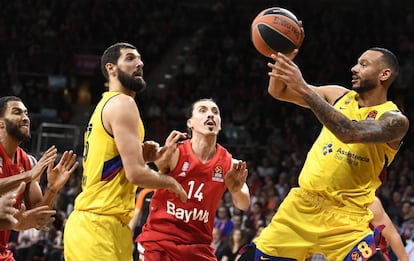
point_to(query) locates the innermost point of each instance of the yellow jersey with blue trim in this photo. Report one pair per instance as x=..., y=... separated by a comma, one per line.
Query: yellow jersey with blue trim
x=348, y=174
x=105, y=188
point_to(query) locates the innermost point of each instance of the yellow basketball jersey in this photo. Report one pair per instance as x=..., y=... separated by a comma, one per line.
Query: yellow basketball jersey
x=105, y=189
x=348, y=174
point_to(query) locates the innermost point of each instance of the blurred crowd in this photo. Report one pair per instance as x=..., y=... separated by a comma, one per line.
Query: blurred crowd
x=41, y=42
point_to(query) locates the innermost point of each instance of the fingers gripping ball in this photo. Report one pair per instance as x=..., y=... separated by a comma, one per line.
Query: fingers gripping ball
x=275, y=30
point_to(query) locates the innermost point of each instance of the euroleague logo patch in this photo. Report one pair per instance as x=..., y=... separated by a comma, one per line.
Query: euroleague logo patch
x=372, y=115
x=218, y=174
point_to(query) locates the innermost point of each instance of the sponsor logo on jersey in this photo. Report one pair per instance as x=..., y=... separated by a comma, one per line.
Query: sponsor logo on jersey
x=218, y=174
x=185, y=167
x=327, y=149
x=372, y=115
x=187, y=215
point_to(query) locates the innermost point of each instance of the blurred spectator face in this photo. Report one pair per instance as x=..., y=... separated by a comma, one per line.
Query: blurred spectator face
x=222, y=213
x=237, y=220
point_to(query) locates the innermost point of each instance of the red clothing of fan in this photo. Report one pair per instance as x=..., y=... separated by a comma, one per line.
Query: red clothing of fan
x=7, y=169
x=191, y=222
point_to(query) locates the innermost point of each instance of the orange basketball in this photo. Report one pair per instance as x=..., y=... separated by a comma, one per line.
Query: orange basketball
x=275, y=30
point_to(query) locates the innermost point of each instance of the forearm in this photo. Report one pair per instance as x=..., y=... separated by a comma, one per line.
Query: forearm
x=5, y=224
x=148, y=178
x=398, y=247
x=336, y=122
x=49, y=197
x=241, y=198
x=276, y=88
x=14, y=181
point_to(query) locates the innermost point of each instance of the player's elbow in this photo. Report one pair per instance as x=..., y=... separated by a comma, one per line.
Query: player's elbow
x=136, y=175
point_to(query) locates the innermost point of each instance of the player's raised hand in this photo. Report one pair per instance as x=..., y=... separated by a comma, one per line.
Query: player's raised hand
x=170, y=146
x=236, y=176
x=287, y=71
x=58, y=176
x=151, y=151
x=48, y=157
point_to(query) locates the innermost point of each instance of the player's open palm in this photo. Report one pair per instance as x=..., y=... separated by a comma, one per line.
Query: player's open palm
x=39, y=217
x=236, y=176
x=47, y=158
x=57, y=176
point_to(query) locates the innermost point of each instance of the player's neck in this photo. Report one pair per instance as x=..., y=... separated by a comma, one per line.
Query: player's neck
x=10, y=146
x=203, y=149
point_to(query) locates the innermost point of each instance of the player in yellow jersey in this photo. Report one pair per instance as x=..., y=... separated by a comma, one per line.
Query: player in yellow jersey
x=328, y=213
x=114, y=165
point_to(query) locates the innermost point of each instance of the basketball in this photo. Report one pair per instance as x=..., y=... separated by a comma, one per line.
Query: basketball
x=275, y=30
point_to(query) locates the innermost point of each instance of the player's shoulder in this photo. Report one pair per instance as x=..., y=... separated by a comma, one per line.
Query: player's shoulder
x=331, y=93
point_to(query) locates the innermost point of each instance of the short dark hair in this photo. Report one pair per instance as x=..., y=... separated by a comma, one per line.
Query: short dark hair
x=389, y=58
x=111, y=55
x=3, y=103
x=191, y=108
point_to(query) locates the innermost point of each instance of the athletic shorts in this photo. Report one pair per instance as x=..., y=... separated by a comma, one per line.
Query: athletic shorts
x=170, y=251
x=306, y=223
x=95, y=237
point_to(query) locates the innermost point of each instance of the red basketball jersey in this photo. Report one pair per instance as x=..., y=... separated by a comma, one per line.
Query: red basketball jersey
x=190, y=222
x=8, y=169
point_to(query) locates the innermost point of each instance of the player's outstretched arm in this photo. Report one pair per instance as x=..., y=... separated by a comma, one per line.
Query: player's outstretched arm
x=125, y=129
x=390, y=233
x=284, y=72
x=235, y=180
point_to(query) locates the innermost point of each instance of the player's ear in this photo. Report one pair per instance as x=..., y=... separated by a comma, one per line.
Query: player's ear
x=189, y=125
x=2, y=124
x=111, y=68
x=385, y=74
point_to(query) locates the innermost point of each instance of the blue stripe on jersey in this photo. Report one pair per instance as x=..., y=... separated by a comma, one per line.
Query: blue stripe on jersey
x=111, y=168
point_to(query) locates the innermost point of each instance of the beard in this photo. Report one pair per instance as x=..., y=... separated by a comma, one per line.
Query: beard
x=135, y=84
x=14, y=131
x=365, y=85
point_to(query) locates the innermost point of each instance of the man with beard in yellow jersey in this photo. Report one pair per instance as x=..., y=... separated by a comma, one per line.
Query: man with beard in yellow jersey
x=114, y=163
x=361, y=134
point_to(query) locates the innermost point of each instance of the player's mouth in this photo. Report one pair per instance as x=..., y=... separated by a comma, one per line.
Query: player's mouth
x=137, y=74
x=355, y=79
x=210, y=123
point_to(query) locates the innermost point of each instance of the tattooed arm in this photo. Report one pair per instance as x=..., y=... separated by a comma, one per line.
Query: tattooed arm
x=390, y=128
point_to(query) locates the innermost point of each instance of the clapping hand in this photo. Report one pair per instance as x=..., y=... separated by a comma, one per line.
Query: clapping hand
x=39, y=218
x=57, y=176
x=47, y=158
